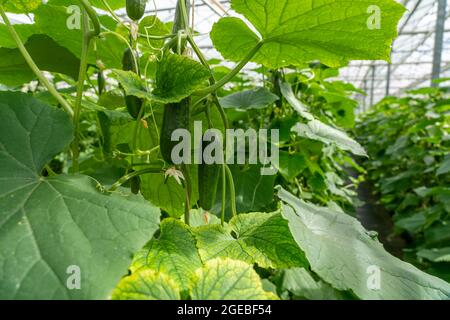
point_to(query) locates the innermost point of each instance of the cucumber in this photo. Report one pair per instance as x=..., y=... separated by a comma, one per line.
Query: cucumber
x=135, y=185
x=208, y=180
x=136, y=9
x=129, y=62
x=100, y=82
x=133, y=103
x=176, y=116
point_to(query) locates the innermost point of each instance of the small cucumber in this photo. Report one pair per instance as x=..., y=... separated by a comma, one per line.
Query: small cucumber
x=133, y=103
x=208, y=180
x=135, y=185
x=101, y=82
x=129, y=62
x=136, y=9
x=176, y=116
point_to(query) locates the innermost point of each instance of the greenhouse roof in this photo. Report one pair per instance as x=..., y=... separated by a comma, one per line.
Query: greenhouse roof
x=412, y=56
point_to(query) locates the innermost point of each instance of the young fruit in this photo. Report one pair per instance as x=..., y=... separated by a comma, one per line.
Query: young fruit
x=176, y=116
x=101, y=82
x=135, y=185
x=129, y=61
x=134, y=104
x=136, y=9
x=208, y=180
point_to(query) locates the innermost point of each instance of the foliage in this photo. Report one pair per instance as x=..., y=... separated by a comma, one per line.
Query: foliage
x=408, y=141
x=85, y=190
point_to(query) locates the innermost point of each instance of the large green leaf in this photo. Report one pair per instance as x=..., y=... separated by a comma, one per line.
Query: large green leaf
x=146, y=284
x=21, y=6
x=50, y=226
x=250, y=99
x=173, y=253
x=261, y=238
x=59, y=24
x=345, y=255
x=46, y=53
x=253, y=190
x=167, y=193
x=301, y=284
x=291, y=164
x=178, y=76
x=295, y=32
x=226, y=279
x=317, y=130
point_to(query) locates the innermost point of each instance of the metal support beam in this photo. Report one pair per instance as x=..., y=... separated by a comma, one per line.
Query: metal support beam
x=388, y=80
x=438, y=41
x=372, y=86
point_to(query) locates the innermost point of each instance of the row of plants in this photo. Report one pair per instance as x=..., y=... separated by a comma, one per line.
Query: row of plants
x=408, y=141
x=93, y=205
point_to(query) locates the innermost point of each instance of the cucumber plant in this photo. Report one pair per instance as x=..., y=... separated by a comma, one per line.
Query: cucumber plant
x=92, y=192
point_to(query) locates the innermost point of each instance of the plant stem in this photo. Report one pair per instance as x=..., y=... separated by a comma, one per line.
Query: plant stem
x=224, y=193
x=188, y=182
x=118, y=20
x=93, y=16
x=66, y=106
x=133, y=174
x=80, y=87
x=232, y=190
x=232, y=73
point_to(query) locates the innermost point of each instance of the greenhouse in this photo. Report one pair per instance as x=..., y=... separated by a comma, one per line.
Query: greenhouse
x=191, y=150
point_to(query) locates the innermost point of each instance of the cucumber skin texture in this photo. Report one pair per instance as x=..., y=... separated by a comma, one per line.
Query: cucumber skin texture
x=101, y=82
x=134, y=104
x=136, y=9
x=135, y=185
x=208, y=180
x=128, y=62
x=176, y=116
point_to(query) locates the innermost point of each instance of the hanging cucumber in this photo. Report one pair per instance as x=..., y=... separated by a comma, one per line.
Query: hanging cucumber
x=176, y=116
x=135, y=185
x=136, y=9
x=133, y=103
x=100, y=82
x=208, y=180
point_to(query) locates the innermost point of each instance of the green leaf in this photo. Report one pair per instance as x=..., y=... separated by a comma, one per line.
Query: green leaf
x=47, y=55
x=444, y=167
x=345, y=255
x=253, y=190
x=250, y=99
x=177, y=77
x=173, y=253
x=291, y=165
x=147, y=285
x=294, y=32
x=301, y=283
x=151, y=25
x=226, y=279
x=21, y=6
x=23, y=30
x=317, y=130
x=435, y=255
x=63, y=27
x=168, y=195
x=49, y=224
x=288, y=94
x=200, y=217
x=261, y=238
